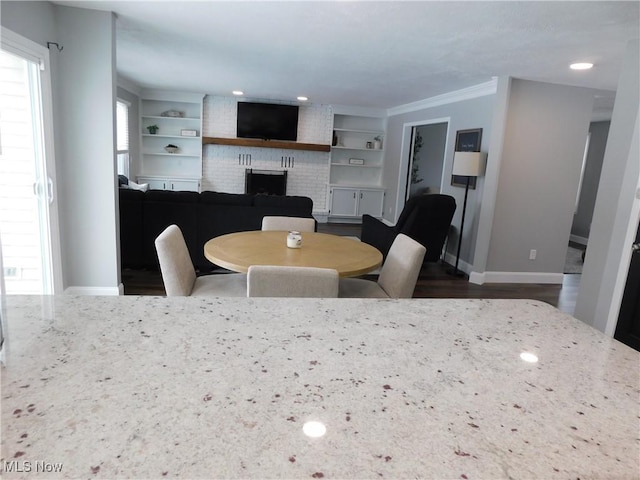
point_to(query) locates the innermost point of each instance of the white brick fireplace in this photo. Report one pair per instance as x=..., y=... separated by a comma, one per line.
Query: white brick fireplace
x=223, y=168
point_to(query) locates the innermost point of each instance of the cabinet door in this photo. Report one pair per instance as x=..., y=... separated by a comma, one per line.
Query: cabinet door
x=155, y=183
x=370, y=202
x=184, y=185
x=344, y=201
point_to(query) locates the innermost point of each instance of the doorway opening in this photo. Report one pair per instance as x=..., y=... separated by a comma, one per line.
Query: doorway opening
x=586, y=196
x=426, y=159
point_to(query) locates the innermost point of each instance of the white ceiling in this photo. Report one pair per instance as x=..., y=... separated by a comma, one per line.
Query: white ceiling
x=369, y=54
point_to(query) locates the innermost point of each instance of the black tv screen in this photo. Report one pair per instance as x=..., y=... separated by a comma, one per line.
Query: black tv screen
x=267, y=121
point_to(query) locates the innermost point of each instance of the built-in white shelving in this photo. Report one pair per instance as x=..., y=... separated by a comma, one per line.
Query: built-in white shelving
x=357, y=157
x=181, y=169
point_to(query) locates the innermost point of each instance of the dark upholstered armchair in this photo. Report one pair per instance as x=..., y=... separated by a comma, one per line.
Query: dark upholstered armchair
x=425, y=218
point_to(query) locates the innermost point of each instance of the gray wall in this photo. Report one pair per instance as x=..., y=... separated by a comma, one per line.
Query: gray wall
x=595, y=155
x=33, y=20
x=83, y=83
x=545, y=134
x=86, y=147
x=615, y=213
x=473, y=113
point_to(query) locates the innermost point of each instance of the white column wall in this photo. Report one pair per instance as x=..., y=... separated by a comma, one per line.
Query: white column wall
x=615, y=216
x=85, y=150
x=546, y=130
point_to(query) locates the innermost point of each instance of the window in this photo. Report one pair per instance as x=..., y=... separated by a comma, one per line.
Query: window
x=122, y=137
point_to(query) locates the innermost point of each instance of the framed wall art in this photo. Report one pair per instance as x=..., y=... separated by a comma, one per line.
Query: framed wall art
x=467, y=141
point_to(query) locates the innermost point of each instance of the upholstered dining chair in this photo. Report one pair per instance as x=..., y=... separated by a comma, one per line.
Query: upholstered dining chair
x=281, y=281
x=398, y=275
x=289, y=223
x=179, y=275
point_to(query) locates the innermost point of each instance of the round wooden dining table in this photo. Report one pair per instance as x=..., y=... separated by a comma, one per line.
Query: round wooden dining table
x=238, y=251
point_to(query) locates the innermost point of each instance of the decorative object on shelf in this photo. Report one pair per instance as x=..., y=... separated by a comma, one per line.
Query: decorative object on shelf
x=370, y=145
x=467, y=141
x=468, y=165
x=377, y=142
x=188, y=133
x=153, y=129
x=356, y=161
x=172, y=114
x=171, y=148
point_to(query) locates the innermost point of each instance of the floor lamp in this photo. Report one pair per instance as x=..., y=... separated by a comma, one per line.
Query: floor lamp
x=466, y=164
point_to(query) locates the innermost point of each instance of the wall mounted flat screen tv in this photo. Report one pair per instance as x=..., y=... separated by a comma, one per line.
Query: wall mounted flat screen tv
x=267, y=121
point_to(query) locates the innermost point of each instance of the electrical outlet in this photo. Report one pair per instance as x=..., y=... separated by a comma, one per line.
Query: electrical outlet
x=532, y=254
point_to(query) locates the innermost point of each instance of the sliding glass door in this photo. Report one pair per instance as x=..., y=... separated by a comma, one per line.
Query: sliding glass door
x=28, y=220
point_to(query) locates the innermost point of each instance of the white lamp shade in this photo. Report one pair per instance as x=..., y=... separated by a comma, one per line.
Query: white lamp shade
x=469, y=164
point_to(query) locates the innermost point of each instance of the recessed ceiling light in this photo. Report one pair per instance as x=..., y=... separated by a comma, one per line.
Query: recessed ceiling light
x=238, y=92
x=303, y=99
x=581, y=66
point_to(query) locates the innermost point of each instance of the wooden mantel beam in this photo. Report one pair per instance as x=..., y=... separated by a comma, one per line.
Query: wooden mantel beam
x=254, y=142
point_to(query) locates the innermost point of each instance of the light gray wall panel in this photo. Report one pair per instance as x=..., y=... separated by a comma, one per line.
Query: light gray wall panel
x=33, y=20
x=546, y=130
x=85, y=146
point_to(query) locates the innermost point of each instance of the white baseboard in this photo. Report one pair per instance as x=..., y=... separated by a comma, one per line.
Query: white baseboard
x=504, y=277
x=321, y=217
x=580, y=240
x=515, y=277
x=95, y=291
x=462, y=265
x=338, y=219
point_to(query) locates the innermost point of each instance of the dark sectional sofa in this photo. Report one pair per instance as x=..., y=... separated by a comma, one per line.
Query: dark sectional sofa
x=200, y=216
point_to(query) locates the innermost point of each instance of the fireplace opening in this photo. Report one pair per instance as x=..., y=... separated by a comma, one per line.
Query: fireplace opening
x=265, y=182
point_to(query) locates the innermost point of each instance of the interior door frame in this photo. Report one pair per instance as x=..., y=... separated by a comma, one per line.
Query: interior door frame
x=406, y=151
x=630, y=304
x=34, y=52
x=625, y=264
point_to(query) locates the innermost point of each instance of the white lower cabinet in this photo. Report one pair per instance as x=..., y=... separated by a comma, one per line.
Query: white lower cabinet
x=178, y=185
x=371, y=202
x=355, y=201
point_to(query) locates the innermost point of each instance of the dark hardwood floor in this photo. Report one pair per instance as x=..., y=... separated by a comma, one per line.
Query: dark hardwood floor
x=434, y=282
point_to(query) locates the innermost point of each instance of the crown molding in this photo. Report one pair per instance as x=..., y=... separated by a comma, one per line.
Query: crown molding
x=359, y=111
x=480, y=90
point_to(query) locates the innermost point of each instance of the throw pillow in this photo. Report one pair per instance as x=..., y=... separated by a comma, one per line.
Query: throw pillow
x=143, y=187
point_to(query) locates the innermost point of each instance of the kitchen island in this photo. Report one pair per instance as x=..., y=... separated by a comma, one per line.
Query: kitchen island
x=153, y=387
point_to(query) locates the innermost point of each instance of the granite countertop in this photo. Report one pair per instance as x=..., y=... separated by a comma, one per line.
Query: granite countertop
x=150, y=387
